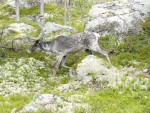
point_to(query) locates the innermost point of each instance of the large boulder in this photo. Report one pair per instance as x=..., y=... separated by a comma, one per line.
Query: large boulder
x=105, y=75
x=120, y=18
x=19, y=27
x=53, y=27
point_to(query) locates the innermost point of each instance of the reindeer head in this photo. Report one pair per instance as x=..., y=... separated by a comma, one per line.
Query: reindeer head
x=34, y=47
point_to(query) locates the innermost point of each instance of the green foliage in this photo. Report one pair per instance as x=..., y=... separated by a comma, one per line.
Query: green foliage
x=108, y=42
x=135, y=48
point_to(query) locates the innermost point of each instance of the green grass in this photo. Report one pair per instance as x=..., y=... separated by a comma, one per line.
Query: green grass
x=109, y=101
x=13, y=101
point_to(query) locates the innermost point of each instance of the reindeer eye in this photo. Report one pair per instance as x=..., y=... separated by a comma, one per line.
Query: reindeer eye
x=36, y=44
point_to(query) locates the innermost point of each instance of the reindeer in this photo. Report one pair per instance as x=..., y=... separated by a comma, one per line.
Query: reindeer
x=63, y=45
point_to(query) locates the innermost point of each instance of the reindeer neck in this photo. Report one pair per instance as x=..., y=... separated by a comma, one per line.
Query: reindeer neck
x=46, y=46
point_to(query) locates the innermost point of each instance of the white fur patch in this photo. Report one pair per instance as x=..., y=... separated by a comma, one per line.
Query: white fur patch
x=96, y=34
x=47, y=48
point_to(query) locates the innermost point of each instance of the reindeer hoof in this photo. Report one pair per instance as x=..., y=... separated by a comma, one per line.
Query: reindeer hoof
x=73, y=74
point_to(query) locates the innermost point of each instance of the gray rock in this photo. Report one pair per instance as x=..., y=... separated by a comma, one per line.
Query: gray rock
x=23, y=3
x=69, y=87
x=105, y=75
x=53, y=27
x=19, y=27
x=52, y=103
x=119, y=18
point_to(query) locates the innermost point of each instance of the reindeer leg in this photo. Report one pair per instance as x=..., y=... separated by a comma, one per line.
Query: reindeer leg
x=97, y=49
x=69, y=68
x=59, y=59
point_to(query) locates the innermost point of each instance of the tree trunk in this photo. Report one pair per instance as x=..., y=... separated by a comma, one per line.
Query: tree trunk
x=42, y=11
x=69, y=15
x=17, y=10
x=65, y=13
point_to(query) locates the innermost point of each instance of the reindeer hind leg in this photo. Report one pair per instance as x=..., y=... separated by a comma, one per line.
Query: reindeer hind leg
x=97, y=49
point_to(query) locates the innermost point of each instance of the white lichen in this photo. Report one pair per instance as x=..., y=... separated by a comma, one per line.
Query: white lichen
x=18, y=76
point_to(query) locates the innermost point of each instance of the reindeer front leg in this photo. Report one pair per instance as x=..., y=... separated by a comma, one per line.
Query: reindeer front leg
x=71, y=73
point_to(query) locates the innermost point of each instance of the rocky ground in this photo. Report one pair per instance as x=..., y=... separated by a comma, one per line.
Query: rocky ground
x=99, y=75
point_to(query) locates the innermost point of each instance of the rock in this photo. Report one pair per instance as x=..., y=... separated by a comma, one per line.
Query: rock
x=19, y=27
x=118, y=18
x=26, y=3
x=93, y=70
x=104, y=75
x=75, y=98
x=52, y=103
x=11, y=3
x=23, y=3
x=69, y=87
x=147, y=72
x=86, y=79
x=52, y=27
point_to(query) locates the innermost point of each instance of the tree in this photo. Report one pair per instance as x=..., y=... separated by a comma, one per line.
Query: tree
x=42, y=10
x=17, y=10
x=67, y=12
